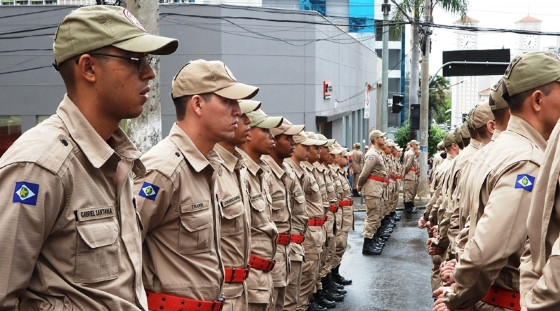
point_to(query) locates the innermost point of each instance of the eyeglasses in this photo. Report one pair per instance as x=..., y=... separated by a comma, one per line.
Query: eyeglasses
x=140, y=63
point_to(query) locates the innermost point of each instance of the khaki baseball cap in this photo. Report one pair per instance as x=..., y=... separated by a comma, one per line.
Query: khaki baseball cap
x=414, y=142
x=262, y=120
x=202, y=76
x=496, y=100
x=482, y=114
x=390, y=143
x=531, y=70
x=248, y=105
x=449, y=138
x=318, y=142
x=322, y=137
x=376, y=134
x=464, y=128
x=357, y=145
x=92, y=27
x=287, y=128
x=301, y=138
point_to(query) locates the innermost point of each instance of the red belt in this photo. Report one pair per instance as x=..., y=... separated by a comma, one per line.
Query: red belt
x=503, y=298
x=297, y=238
x=413, y=169
x=262, y=264
x=333, y=208
x=318, y=221
x=236, y=275
x=345, y=202
x=377, y=178
x=160, y=301
x=283, y=239
x=394, y=177
x=399, y=177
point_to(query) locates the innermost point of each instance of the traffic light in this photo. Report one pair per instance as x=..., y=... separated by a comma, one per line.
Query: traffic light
x=397, y=106
x=414, y=117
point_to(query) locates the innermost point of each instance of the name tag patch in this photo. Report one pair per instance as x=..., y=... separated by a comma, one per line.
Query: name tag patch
x=26, y=193
x=193, y=207
x=94, y=213
x=525, y=182
x=230, y=201
x=149, y=191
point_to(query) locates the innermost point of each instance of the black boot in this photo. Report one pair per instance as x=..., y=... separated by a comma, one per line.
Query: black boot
x=395, y=216
x=322, y=301
x=333, y=287
x=328, y=291
x=407, y=208
x=370, y=248
x=413, y=208
x=339, y=278
x=314, y=305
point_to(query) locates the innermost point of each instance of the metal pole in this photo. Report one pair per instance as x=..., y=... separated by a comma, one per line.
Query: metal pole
x=385, y=70
x=424, y=104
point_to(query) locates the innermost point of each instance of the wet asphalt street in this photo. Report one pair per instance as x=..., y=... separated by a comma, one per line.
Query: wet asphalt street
x=398, y=279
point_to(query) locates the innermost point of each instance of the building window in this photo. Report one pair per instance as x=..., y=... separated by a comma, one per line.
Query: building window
x=40, y=119
x=10, y=130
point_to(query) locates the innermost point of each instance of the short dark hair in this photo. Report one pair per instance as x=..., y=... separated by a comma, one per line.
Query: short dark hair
x=516, y=101
x=181, y=104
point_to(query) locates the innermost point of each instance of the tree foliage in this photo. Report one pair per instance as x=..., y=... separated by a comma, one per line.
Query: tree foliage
x=435, y=135
x=438, y=99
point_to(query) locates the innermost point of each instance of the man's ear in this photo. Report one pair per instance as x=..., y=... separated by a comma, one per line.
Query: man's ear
x=86, y=67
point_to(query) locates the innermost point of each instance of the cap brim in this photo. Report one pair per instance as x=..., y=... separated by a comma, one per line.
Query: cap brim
x=270, y=122
x=249, y=105
x=238, y=91
x=150, y=44
x=294, y=129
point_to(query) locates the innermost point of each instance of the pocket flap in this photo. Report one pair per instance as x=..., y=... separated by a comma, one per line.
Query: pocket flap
x=99, y=233
x=196, y=216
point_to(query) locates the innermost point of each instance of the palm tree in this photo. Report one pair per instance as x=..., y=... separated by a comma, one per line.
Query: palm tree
x=438, y=99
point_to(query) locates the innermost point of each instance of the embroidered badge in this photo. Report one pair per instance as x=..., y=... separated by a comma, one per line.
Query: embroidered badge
x=26, y=193
x=149, y=191
x=525, y=182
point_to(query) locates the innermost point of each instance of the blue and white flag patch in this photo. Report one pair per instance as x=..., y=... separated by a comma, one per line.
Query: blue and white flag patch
x=525, y=182
x=149, y=191
x=26, y=193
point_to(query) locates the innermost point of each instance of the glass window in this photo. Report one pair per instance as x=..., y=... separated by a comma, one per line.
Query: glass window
x=10, y=130
x=40, y=119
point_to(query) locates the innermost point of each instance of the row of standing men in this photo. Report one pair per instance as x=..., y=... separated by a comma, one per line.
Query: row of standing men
x=233, y=210
x=491, y=217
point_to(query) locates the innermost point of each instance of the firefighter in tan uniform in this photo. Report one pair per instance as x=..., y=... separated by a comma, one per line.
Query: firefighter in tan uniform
x=394, y=178
x=487, y=275
x=282, y=192
x=357, y=164
x=411, y=176
x=263, y=230
x=311, y=293
x=300, y=219
x=182, y=261
x=235, y=231
x=70, y=232
x=346, y=214
x=372, y=183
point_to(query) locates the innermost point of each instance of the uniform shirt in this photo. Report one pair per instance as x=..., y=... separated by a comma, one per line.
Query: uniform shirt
x=177, y=202
x=347, y=211
x=410, y=161
x=373, y=165
x=357, y=161
x=234, y=207
x=300, y=220
x=314, y=238
x=540, y=267
x=505, y=181
x=70, y=234
x=318, y=172
x=263, y=229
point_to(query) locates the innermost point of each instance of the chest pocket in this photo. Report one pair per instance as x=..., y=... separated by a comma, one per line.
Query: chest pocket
x=195, y=234
x=259, y=216
x=98, y=252
x=232, y=216
x=280, y=211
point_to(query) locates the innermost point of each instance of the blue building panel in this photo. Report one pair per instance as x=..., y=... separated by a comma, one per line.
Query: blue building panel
x=314, y=5
x=360, y=16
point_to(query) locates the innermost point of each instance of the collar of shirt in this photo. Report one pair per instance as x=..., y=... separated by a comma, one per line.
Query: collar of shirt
x=523, y=128
x=298, y=170
x=276, y=169
x=252, y=167
x=231, y=161
x=318, y=166
x=307, y=165
x=474, y=143
x=93, y=146
x=195, y=158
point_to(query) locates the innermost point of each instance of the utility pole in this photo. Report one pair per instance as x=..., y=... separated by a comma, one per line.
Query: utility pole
x=385, y=7
x=424, y=105
x=145, y=131
x=413, y=92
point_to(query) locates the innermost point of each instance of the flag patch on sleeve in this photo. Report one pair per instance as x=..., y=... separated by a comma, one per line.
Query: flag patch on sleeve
x=149, y=191
x=525, y=182
x=26, y=193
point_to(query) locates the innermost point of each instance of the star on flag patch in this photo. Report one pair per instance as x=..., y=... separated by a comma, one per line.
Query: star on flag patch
x=525, y=182
x=26, y=193
x=149, y=191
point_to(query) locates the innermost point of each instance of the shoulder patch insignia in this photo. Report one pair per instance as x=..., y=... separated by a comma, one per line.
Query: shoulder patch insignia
x=525, y=182
x=26, y=193
x=371, y=158
x=149, y=191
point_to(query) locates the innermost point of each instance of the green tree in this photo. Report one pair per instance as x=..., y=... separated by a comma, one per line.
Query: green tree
x=435, y=136
x=438, y=99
